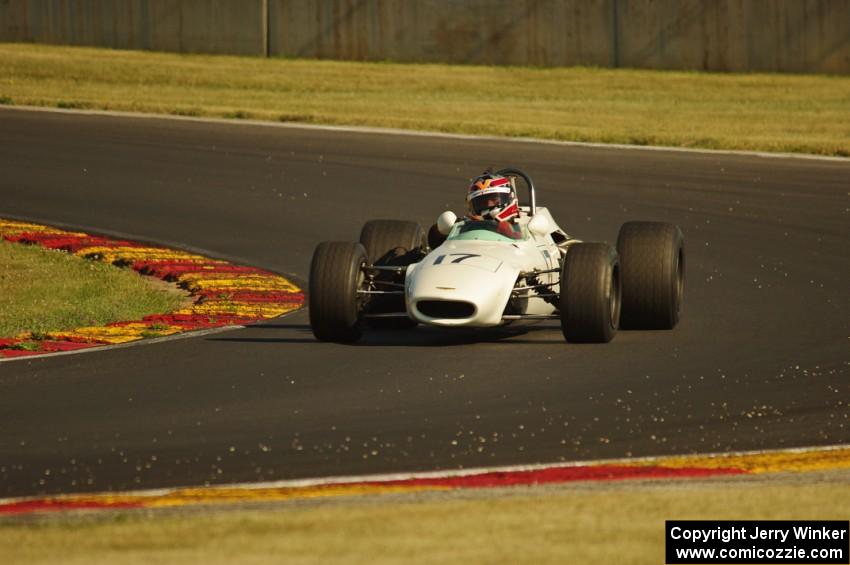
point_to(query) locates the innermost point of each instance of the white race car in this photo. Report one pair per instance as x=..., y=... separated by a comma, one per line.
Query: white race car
x=468, y=273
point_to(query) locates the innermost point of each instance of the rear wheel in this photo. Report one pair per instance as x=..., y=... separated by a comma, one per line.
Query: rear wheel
x=435, y=238
x=336, y=274
x=652, y=259
x=590, y=293
x=388, y=240
x=391, y=243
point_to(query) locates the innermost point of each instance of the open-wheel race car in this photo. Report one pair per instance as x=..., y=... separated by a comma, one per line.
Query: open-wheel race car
x=482, y=271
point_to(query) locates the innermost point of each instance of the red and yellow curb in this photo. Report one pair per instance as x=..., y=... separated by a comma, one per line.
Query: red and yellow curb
x=223, y=294
x=663, y=468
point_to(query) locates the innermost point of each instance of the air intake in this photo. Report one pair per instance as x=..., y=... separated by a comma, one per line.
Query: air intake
x=445, y=308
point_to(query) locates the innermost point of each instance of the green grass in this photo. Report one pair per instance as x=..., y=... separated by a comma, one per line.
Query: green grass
x=608, y=524
x=42, y=291
x=772, y=112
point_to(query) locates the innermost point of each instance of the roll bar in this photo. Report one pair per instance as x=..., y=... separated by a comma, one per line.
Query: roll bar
x=519, y=173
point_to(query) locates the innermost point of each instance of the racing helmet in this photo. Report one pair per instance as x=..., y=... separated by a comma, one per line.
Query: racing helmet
x=492, y=197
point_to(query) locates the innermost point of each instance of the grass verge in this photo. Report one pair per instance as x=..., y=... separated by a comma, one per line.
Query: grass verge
x=567, y=524
x=770, y=112
x=43, y=291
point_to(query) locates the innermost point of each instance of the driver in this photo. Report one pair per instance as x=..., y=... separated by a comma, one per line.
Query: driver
x=493, y=197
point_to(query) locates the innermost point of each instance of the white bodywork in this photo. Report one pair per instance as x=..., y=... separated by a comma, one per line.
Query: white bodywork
x=479, y=275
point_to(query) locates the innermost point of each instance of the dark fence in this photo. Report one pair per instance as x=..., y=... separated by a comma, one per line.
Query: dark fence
x=187, y=26
x=722, y=35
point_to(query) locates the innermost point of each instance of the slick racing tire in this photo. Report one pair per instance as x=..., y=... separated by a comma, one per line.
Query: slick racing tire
x=652, y=263
x=590, y=293
x=391, y=243
x=336, y=274
x=386, y=241
x=435, y=238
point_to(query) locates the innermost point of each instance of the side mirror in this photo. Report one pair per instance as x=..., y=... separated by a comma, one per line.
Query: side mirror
x=539, y=225
x=445, y=221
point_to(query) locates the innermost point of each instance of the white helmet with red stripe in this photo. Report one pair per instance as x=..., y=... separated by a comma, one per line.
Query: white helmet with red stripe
x=492, y=197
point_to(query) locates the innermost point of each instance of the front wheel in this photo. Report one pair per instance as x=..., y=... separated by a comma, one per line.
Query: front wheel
x=590, y=293
x=336, y=274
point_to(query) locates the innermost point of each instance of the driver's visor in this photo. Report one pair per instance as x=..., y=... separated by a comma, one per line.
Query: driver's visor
x=482, y=202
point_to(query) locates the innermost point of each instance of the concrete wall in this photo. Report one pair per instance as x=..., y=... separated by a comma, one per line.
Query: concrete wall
x=733, y=35
x=726, y=35
x=186, y=26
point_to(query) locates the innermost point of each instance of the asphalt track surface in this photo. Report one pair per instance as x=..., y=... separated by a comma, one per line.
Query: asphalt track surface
x=761, y=358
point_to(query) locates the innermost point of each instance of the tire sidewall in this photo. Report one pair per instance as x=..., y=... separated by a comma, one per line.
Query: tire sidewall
x=336, y=274
x=590, y=293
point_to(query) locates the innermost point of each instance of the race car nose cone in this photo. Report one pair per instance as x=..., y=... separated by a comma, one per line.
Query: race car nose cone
x=446, y=293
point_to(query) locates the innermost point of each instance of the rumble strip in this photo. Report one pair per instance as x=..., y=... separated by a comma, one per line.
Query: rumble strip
x=665, y=468
x=223, y=294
